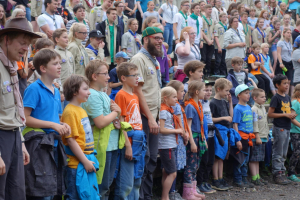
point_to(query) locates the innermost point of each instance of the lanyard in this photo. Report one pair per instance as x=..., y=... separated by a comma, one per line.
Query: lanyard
x=52, y=17
x=237, y=32
x=246, y=32
x=171, y=10
x=264, y=58
x=262, y=34
x=224, y=26
x=209, y=24
x=184, y=16
x=289, y=49
x=197, y=55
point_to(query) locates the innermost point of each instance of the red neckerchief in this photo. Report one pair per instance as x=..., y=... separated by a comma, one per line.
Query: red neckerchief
x=296, y=30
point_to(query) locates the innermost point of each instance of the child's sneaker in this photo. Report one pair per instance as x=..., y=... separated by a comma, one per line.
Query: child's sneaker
x=293, y=178
x=278, y=179
x=246, y=182
x=207, y=185
x=204, y=189
x=263, y=181
x=239, y=184
x=218, y=186
x=225, y=184
x=256, y=182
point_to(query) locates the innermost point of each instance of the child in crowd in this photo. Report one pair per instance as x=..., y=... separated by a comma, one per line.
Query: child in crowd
x=113, y=82
x=131, y=41
x=79, y=144
x=197, y=143
x=246, y=30
x=259, y=35
x=150, y=11
x=295, y=133
x=273, y=38
x=256, y=62
x=280, y=110
x=182, y=141
x=243, y=124
x=267, y=70
x=219, y=30
x=170, y=128
x=264, y=15
x=169, y=58
x=222, y=112
x=286, y=23
x=102, y=112
x=42, y=108
x=261, y=131
x=94, y=45
x=237, y=77
x=258, y=8
x=194, y=71
x=252, y=19
x=128, y=180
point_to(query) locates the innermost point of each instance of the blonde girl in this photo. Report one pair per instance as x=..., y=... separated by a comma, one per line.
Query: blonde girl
x=259, y=35
x=2, y=17
x=150, y=11
x=77, y=34
x=197, y=143
x=102, y=112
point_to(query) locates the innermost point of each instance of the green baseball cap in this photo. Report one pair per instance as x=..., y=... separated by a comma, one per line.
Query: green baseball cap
x=242, y=88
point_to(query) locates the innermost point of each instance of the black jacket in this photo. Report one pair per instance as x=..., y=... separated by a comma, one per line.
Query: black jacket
x=42, y=176
x=102, y=28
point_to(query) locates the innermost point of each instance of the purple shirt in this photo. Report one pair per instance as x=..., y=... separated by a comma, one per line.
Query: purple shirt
x=164, y=66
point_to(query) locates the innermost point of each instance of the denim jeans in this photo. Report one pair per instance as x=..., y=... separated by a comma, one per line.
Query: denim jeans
x=71, y=184
x=220, y=64
x=108, y=174
x=168, y=35
x=125, y=181
x=240, y=171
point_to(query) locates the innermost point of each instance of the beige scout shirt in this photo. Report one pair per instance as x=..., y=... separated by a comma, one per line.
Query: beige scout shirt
x=67, y=64
x=258, y=38
x=248, y=3
x=96, y=16
x=129, y=43
x=93, y=56
x=260, y=124
x=258, y=11
x=247, y=33
x=80, y=56
x=208, y=29
x=9, y=115
x=151, y=87
x=219, y=32
x=36, y=8
x=125, y=21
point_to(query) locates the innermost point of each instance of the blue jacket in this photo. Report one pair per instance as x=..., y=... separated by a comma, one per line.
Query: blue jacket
x=234, y=137
x=205, y=127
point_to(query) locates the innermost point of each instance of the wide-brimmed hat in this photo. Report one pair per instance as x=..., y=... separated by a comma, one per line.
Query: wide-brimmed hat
x=18, y=25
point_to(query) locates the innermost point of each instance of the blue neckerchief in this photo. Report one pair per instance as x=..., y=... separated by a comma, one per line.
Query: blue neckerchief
x=92, y=48
x=272, y=27
x=257, y=59
x=262, y=34
x=265, y=58
x=134, y=35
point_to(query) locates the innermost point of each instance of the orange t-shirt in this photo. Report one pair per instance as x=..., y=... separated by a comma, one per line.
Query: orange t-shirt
x=252, y=59
x=20, y=65
x=130, y=109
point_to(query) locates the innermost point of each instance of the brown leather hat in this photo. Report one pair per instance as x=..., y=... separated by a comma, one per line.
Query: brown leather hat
x=19, y=25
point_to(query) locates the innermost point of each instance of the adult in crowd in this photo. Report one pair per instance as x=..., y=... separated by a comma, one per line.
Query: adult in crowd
x=122, y=19
x=296, y=62
x=15, y=39
x=98, y=14
x=19, y=13
x=296, y=31
x=36, y=10
x=186, y=50
x=167, y=11
x=148, y=92
x=49, y=22
x=234, y=42
x=71, y=6
x=26, y=5
x=142, y=7
x=286, y=23
x=217, y=10
x=293, y=5
x=195, y=21
x=130, y=8
x=79, y=12
x=64, y=13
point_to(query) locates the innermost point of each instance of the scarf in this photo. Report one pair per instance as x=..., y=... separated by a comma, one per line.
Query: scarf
x=185, y=123
x=134, y=35
x=224, y=26
x=195, y=17
x=12, y=69
x=78, y=21
x=176, y=119
x=92, y=48
x=262, y=34
x=155, y=63
x=184, y=16
x=209, y=24
x=200, y=114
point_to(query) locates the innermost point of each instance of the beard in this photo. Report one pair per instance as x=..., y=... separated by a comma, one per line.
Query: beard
x=153, y=51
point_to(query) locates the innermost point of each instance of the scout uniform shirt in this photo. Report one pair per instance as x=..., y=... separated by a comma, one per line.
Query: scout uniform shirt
x=260, y=124
x=208, y=28
x=92, y=56
x=219, y=31
x=248, y=3
x=247, y=33
x=259, y=36
x=129, y=43
x=80, y=56
x=67, y=64
x=258, y=11
x=96, y=16
x=36, y=8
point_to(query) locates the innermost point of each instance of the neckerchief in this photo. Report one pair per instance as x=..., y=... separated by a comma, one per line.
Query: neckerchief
x=195, y=17
x=257, y=59
x=272, y=27
x=176, y=119
x=209, y=24
x=184, y=16
x=171, y=9
x=200, y=114
x=246, y=32
x=92, y=48
x=224, y=26
x=134, y=35
x=78, y=21
x=262, y=34
x=52, y=17
x=198, y=54
x=155, y=63
x=296, y=30
x=185, y=123
x=264, y=58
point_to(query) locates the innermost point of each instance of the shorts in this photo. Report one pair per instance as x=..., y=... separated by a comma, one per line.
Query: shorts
x=274, y=47
x=168, y=160
x=257, y=152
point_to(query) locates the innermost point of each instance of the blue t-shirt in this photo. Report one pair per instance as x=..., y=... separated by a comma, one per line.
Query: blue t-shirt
x=191, y=113
x=45, y=105
x=252, y=22
x=113, y=78
x=177, y=111
x=242, y=115
x=294, y=5
x=266, y=63
x=143, y=4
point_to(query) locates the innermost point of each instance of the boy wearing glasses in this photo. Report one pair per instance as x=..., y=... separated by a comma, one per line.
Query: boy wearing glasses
x=132, y=162
x=114, y=83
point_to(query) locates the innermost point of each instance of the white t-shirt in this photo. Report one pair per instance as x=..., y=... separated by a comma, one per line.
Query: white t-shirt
x=179, y=19
x=193, y=23
x=167, y=12
x=240, y=27
x=53, y=23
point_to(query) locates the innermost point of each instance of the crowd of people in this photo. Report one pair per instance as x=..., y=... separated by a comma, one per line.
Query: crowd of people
x=94, y=91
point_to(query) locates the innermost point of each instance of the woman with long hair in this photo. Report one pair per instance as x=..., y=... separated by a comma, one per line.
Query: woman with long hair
x=232, y=6
x=2, y=17
x=259, y=35
x=264, y=15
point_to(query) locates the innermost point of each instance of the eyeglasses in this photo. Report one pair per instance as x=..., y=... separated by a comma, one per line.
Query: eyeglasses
x=186, y=5
x=133, y=75
x=105, y=74
x=156, y=38
x=84, y=33
x=193, y=33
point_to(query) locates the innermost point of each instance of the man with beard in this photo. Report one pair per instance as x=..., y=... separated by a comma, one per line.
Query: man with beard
x=149, y=95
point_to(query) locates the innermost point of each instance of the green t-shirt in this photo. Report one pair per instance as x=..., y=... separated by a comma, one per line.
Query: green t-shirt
x=296, y=108
x=112, y=39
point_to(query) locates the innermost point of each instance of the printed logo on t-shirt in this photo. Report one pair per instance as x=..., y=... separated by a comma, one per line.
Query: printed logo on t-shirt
x=89, y=138
x=134, y=115
x=286, y=108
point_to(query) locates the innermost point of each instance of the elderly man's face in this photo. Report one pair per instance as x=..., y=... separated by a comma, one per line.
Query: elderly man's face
x=17, y=47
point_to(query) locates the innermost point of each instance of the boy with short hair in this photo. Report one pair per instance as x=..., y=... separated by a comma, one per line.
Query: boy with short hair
x=194, y=71
x=79, y=145
x=219, y=30
x=280, y=110
x=114, y=82
x=42, y=108
x=243, y=124
x=246, y=30
x=282, y=11
x=252, y=19
x=258, y=8
x=128, y=180
x=261, y=131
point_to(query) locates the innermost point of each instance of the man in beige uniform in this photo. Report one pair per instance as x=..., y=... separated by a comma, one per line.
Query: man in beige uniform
x=149, y=95
x=13, y=153
x=98, y=14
